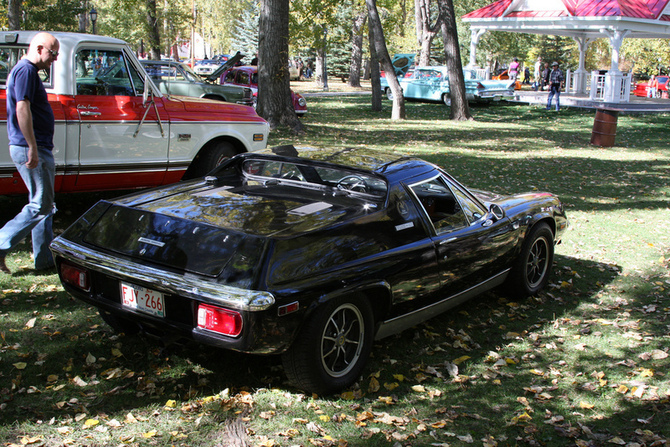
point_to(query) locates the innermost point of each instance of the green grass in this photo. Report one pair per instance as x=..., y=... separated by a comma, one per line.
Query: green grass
x=584, y=363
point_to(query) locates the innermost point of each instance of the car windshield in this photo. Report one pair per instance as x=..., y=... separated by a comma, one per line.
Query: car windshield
x=190, y=74
x=269, y=172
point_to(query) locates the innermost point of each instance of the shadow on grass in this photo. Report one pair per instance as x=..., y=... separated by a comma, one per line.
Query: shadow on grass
x=70, y=353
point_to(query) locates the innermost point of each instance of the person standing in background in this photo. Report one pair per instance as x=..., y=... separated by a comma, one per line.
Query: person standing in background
x=555, y=85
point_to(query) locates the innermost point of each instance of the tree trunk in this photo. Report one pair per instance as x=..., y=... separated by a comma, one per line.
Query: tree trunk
x=425, y=29
x=398, y=112
x=274, y=84
x=459, y=104
x=14, y=14
x=154, y=32
x=374, y=73
x=356, y=50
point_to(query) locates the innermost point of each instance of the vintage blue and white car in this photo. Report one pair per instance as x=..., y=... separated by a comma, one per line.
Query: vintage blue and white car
x=431, y=84
x=311, y=254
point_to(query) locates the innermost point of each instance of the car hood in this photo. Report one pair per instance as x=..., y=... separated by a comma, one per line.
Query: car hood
x=507, y=201
x=204, y=228
x=212, y=77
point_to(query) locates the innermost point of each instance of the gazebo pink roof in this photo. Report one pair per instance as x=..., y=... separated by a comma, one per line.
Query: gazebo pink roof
x=575, y=18
x=642, y=9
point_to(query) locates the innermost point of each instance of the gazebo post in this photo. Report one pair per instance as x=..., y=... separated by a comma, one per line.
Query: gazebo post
x=581, y=74
x=615, y=79
x=475, y=34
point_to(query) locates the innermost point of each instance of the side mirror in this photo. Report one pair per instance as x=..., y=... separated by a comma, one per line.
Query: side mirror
x=495, y=214
x=497, y=211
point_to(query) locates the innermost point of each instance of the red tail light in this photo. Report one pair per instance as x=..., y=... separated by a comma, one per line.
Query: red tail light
x=75, y=276
x=219, y=320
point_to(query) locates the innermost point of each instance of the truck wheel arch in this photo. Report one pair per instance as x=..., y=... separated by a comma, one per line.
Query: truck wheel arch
x=212, y=155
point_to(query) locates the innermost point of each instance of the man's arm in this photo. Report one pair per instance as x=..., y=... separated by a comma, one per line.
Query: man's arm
x=25, y=118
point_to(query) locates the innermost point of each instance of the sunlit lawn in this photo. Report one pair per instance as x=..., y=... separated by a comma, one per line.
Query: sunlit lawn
x=584, y=363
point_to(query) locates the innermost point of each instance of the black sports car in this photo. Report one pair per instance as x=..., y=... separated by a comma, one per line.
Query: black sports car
x=312, y=255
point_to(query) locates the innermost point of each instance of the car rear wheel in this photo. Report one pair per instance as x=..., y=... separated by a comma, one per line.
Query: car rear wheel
x=531, y=272
x=389, y=93
x=209, y=158
x=331, y=350
x=446, y=99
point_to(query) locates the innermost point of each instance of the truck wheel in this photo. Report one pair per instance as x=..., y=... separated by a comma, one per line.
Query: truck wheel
x=530, y=273
x=331, y=350
x=209, y=158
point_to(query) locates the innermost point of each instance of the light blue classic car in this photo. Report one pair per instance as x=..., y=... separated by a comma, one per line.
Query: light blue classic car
x=432, y=84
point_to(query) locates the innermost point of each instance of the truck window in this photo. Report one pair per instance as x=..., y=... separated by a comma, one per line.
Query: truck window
x=10, y=55
x=106, y=73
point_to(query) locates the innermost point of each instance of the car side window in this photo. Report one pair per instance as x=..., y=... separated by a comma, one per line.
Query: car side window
x=473, y=210
x=230, y=77
x=243, y=78
x=440, y=205
x=106, y=73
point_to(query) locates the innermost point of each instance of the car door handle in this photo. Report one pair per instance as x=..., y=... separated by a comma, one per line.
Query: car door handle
x=87, y=113
x=446, y=241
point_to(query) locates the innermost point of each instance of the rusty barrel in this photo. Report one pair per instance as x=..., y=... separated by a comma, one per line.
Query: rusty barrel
x=604, y=127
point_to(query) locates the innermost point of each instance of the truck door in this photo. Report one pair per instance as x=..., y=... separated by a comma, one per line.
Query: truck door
x=123, y=143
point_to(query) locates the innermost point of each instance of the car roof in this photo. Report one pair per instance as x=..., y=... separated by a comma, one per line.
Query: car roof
x=69, y=39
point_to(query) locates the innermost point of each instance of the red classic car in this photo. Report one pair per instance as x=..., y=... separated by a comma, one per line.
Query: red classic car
x=247, y=76
x=642, y=88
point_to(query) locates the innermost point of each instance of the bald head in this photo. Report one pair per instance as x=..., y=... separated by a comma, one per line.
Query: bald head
x=43, y=50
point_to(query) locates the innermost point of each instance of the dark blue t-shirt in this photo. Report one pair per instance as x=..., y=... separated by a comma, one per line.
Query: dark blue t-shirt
x=24, y=83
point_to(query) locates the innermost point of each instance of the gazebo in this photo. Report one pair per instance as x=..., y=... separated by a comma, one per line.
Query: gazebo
x=584, y=21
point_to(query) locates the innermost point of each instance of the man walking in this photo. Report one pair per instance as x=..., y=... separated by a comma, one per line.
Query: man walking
x=555, y=83
x=30, y=127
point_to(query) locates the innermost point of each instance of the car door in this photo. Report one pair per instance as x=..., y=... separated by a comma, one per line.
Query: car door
x=123, y=143
x=470, y=247
x=415, y=86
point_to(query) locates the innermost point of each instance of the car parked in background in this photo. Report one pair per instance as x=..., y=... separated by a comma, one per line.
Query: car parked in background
x=247, y=76
x=114, y=128
x=309, y=253
x=431, y=84
x=177, y=78
x=206, y=67
x=642, y=87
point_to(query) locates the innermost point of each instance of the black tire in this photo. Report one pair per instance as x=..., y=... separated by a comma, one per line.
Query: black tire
x=330, y=352
x=209, y=158
x=532, y=268
x=389, y=93
x=119, y=324
x=446, y=99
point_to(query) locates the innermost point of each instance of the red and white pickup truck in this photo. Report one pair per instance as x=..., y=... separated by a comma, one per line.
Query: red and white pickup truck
x=114, y=128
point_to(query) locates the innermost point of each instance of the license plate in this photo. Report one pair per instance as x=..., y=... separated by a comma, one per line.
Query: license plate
x=143, y=299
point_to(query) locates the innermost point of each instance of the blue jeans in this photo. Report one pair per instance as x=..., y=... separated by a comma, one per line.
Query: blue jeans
x=555, y=90
x=37, y=216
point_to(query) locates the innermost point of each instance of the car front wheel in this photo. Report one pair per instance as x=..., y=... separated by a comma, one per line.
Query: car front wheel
x=531, y=272
x=331, y=350
x=389, y=93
